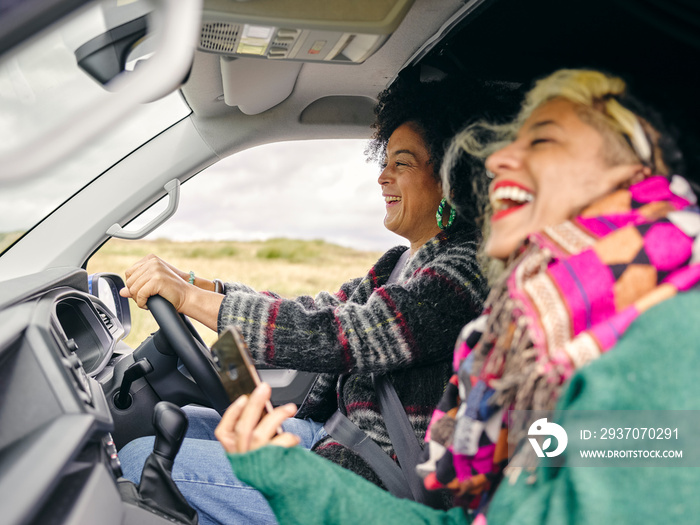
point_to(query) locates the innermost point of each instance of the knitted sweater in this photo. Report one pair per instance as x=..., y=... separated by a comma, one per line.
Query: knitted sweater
x=653, y=367
x=407, y=328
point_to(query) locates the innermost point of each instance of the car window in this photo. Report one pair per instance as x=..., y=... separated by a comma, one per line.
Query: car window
x=294, y=217
x=316, y=189
x=22, y=206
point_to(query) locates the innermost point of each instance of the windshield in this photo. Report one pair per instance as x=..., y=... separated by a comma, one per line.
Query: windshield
x=41, y=88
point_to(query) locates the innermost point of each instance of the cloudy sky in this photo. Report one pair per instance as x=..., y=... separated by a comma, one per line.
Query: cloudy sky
x=303, y=190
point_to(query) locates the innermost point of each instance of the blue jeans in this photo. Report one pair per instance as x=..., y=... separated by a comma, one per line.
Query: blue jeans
x=203, y=474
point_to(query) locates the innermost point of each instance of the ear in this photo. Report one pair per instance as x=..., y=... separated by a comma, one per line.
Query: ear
x=625, y=175
x=440, y=188
x=641, y=173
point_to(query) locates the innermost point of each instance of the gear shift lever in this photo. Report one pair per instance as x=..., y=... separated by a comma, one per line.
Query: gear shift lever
x=157, y=489
x=170, y=423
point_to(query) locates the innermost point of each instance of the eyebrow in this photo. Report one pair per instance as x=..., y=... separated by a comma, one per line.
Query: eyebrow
x=544, y=123
x=398, y=152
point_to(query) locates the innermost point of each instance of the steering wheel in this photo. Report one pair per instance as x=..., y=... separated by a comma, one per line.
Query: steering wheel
x=194, y=354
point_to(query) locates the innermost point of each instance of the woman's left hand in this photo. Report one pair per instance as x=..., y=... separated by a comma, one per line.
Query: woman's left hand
x=241, y=429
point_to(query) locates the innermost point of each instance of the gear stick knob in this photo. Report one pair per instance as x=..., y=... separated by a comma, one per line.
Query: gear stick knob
x=157, y=489
x=170, y=423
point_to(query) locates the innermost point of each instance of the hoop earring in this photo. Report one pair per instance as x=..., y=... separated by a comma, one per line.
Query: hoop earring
x=440, y=211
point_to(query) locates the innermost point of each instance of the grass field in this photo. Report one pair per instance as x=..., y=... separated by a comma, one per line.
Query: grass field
x=287, y=267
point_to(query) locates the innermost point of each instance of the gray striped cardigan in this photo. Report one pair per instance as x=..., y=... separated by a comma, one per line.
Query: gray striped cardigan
x=407, y=328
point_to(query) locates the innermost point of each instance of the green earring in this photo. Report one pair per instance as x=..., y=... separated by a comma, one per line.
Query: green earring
x=440, y=211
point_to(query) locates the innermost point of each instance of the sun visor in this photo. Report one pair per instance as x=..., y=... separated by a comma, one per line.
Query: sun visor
x=257, y=85
x=342, y=31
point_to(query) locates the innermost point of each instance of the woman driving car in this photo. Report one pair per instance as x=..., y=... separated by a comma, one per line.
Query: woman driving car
x=597, y=235
x=401, y=318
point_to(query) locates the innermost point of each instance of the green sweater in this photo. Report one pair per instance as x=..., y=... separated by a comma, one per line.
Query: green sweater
x=655, y=366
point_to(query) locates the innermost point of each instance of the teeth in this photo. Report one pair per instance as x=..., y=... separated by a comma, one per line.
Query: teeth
x=391, y=198
x=509, y=193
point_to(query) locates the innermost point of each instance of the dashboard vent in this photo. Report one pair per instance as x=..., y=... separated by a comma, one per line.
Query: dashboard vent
x=106, y=321
x=71, y=362
x=219, y=36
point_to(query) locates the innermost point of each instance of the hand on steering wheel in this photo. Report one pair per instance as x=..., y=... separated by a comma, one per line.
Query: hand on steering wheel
x=153, y=276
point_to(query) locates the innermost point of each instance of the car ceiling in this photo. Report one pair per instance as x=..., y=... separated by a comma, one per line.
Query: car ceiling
x=348, y=92
x=653, y=43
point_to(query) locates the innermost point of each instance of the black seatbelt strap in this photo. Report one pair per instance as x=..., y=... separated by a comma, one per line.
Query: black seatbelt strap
x=351, y=436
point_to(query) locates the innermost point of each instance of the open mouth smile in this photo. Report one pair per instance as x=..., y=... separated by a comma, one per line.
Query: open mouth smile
x=507, y=197
x=391, y=199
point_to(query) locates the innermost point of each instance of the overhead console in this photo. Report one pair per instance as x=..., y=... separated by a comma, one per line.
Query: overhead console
x=341, y=31
x=263, y=44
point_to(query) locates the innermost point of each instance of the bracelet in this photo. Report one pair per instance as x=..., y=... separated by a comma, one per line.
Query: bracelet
x=191, y=281
x=219, y=286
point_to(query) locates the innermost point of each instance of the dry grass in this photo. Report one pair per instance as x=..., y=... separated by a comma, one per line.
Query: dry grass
x=6, y=239
x=287, y=267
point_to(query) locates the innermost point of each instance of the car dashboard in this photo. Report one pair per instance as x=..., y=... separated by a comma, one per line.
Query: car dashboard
x=58, y=463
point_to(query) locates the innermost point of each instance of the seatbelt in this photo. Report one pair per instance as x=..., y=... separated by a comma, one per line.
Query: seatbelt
x=402, y=482
x=404, y=440
x=351, y=436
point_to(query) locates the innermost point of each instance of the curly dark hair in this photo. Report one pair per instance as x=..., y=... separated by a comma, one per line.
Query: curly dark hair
x=439, y=109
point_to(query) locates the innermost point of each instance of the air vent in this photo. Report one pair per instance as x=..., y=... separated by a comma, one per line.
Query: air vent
x=220, y=37
x=81, y=382
x=71, y=362
x=107, y=321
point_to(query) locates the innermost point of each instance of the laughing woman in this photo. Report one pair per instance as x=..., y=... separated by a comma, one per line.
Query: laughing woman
x=593, y=312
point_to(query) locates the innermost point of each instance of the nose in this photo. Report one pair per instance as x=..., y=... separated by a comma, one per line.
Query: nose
x=384, y=176
x=504, y=159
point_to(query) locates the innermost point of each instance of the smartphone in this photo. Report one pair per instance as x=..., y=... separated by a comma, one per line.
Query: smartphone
x=234, y=364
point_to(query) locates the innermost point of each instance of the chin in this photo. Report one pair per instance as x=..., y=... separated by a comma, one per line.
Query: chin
x=392, y=230
x=500, y=250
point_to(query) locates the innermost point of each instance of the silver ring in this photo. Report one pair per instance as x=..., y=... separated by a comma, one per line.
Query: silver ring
x=490, y=174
